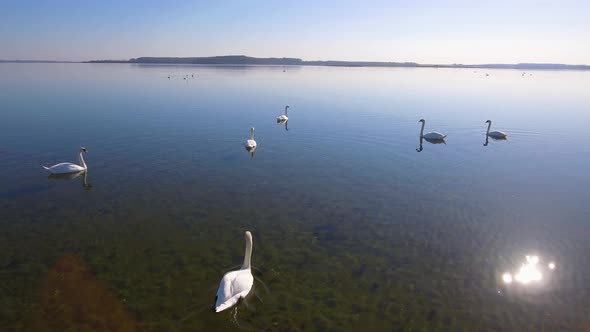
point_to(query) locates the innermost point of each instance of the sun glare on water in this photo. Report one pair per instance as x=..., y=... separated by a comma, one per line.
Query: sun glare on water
x=529, y=272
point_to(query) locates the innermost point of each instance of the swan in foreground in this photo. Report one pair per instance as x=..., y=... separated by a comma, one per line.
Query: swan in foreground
x=495, y=134
x=64, y=168
x=236, y=285
x=433, y=135
x=284, y=117
x=251, y=143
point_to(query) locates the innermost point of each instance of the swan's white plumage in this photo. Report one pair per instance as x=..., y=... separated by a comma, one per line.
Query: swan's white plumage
x=251, y=143
x=236, y=284
x=497, y=134
x=434, y=135
x=64, y=168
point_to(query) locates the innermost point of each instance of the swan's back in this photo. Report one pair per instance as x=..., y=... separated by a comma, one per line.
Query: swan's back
x=497, y=134
x=434, y=135
x=234, y=285
x=251, y=143
x=63, y=168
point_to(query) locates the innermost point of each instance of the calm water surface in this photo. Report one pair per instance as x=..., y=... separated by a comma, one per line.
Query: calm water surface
x=353, y=227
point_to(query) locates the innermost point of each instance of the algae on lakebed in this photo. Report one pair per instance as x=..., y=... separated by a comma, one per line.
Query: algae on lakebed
x=319, y=265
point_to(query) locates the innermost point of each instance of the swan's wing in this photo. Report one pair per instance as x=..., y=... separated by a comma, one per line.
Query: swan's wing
x=498, y=135
x=435, y=135
x=234, y=285
x=65, y=168
x=243, y=282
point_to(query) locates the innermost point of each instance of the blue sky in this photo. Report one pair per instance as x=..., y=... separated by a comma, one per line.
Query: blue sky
x=421, y=31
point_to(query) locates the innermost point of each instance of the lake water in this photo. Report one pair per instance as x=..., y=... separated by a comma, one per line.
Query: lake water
x=354, y=229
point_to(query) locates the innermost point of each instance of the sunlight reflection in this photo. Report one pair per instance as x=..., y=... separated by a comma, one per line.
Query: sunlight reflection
x=529, y=272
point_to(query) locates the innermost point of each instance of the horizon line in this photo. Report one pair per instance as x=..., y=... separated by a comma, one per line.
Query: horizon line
x=292, y=58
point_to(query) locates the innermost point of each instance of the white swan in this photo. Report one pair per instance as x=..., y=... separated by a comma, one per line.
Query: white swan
x=236, y=284
x=251, y=143
x=284, y=117
x=433, y=135
x=63, y=168
x=495, y=134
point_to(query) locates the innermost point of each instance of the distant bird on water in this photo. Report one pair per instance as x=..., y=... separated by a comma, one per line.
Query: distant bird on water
x=284, y=117
x=433, y=135
x=64, y=168
x=251, y=143
x=495, y=134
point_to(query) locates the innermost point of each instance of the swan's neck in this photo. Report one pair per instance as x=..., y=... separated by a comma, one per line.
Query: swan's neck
x=82, y=163
x=251, y=134
x=422, y=130
x=489, y=126
x=286, y=113
x=248, y=253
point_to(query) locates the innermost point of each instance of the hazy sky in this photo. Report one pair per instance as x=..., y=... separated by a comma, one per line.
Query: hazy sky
x=421, y=31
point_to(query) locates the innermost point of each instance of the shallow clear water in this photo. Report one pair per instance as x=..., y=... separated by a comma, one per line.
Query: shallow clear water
x=353, y=227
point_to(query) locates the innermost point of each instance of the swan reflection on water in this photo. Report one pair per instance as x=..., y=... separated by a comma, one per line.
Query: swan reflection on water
x=285, y=122
x=70, y=176
x=431, y=141
x=252, y=150
x=493, y=138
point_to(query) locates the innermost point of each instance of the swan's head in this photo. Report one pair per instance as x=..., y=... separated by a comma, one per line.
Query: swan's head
x=489, y=121
x=422, y=120
x=83, y=149
x=252, y=129
x=248, y=236
x=287, y=106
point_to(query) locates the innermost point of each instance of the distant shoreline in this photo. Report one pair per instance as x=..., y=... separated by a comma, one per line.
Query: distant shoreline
x=245, y=60
x=39, y=61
